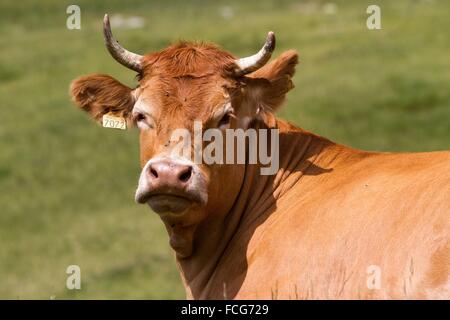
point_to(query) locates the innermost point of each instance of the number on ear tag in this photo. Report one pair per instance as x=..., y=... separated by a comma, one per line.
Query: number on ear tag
x=115, y=122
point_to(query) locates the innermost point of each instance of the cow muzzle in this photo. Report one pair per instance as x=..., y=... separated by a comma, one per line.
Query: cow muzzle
x=171, y=186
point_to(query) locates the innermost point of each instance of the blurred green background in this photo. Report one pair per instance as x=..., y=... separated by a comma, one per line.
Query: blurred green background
x=67, y=185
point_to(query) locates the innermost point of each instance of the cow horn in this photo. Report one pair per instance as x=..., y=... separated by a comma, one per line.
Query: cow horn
x=120, y=54
x=256, y=61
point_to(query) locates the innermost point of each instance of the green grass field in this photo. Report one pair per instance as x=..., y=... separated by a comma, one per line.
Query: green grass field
x=67, y=185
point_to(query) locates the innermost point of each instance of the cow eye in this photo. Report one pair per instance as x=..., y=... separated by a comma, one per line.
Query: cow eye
x=225, y=121
x=142, y=121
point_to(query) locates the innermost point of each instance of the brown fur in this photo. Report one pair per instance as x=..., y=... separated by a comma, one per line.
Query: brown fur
x=276, y=80
x=99, y=94
x=188, y=59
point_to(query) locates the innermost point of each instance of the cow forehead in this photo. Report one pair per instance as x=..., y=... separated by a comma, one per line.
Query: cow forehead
x=193, y=98
x=186, y=79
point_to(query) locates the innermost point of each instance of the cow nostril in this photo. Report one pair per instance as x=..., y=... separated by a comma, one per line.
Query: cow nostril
x=154, y=173
x=186, y=175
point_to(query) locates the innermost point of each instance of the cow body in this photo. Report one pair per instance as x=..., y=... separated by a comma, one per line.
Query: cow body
x=333, y=214
x=333, y=218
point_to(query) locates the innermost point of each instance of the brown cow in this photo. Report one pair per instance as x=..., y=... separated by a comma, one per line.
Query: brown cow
x=332, y=222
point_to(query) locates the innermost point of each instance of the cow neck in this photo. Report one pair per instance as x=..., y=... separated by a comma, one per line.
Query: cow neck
x=257, y=195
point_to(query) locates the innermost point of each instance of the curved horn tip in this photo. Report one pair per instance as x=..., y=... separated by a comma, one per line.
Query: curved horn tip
x=106, y=19
x=270, y=40
x=106, y=26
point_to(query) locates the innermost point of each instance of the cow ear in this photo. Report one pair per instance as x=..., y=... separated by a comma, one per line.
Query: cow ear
x=99, y=94
x=274, y=80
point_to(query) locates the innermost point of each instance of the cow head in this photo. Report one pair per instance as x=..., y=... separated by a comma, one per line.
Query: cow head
x=184, y=85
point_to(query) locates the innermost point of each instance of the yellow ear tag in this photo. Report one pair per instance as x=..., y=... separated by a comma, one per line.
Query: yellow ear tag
x=115, y=122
